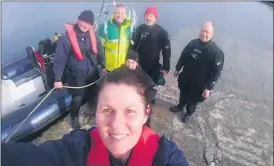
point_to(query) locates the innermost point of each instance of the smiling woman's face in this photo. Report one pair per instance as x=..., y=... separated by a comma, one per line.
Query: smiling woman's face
x=120, y=116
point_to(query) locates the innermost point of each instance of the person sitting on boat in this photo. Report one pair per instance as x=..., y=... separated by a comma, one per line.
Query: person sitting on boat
x=121, y=136
x=132, y=63
x=149, y=40
x=115, y=35
x=79, y=50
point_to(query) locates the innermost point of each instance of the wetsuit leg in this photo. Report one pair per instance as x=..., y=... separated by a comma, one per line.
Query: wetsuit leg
x=91, y=91
x=77, y=97
x=75, y=106
x=182, y=102
x=191, y=108
x=182, y=99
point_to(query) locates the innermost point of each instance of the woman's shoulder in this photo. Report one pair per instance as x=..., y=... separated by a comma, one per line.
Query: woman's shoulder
x=169, y=154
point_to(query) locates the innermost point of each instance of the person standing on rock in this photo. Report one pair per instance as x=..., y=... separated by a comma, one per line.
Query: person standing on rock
x=115, y=35
x=149, y=41
x=80, y=51
x=122, y=135
x=132, y=62
x=202, y=62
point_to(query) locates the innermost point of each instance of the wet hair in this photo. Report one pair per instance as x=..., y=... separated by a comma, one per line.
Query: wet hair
x=134, y=78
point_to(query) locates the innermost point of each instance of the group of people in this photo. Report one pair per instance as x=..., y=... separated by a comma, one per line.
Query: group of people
x=81, y=51
x=128, y=60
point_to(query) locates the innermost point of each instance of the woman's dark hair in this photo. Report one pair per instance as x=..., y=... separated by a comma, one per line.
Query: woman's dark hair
x=135, y=78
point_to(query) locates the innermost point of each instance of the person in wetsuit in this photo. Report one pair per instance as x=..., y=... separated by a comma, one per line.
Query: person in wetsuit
x=202, y=61
x=132, y=62
x=80, y=51
x=149, y=40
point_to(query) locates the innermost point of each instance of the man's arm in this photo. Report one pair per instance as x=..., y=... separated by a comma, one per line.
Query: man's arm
x=60, y=57
x=217, y=67
x=182, y=58
x=166, y=50
x=132, y=39
x=101, y=55
x=135, y=39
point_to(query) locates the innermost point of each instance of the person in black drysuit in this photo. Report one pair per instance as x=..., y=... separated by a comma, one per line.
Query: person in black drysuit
x=149, y=40
x=132, y=60
x=82, y=72
x=202, y=62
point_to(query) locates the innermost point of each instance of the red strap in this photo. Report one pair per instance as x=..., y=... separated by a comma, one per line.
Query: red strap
x=142, y=155
x=40, y=61
x=98, y=154
x=74, y=42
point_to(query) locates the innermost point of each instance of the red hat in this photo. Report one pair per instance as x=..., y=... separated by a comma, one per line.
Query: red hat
x=153, y=11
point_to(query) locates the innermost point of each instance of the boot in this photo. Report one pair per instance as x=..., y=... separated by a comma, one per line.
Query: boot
x=176, y=108
x=187, y=118
x=153, y=102
x=75, y=123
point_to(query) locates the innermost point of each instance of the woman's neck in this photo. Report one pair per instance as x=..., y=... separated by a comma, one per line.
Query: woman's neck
x=124, y=157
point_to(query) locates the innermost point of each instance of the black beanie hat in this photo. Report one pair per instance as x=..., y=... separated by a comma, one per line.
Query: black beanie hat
x=131, y=54
x=87, y=16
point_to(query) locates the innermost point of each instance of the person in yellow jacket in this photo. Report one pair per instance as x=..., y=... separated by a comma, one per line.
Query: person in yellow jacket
x=115, y=35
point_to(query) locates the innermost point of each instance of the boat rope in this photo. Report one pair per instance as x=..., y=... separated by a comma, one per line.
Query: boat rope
x=68, y=87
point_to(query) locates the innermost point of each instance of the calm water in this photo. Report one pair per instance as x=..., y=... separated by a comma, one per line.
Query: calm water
x=26, y=23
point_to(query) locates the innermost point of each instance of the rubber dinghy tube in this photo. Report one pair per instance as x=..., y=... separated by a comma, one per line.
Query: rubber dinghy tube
x=52, y=108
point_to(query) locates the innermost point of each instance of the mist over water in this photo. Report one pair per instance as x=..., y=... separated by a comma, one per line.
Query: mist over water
x=26, y=23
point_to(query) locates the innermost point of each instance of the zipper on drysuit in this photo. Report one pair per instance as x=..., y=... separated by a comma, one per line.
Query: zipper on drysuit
x=118, y=56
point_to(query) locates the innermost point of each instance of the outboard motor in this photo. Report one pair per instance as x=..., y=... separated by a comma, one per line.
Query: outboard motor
x=42, y=61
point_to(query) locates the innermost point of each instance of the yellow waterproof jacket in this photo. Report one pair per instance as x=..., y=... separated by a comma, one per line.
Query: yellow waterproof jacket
x=115, y=41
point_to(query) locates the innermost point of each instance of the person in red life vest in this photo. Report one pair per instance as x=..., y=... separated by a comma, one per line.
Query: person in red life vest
x=80, y=50
x=121, y=136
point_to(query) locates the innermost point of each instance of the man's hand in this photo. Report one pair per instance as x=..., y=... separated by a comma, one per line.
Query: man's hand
x=58, y=85
x=176, y=73
x=164, y=72
x=206, y=93
x=105, y=72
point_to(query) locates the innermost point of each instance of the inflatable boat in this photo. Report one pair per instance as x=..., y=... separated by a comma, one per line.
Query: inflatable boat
x=28, y=79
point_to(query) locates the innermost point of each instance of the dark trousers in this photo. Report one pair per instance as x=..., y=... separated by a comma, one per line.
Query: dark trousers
x=81, y=96
x=184, y=100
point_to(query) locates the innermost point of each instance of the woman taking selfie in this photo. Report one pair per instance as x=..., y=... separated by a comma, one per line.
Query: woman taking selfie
x=121, y=136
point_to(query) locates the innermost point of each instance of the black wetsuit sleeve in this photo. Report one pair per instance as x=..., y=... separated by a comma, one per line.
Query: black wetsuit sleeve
x=135, y=39
x=69, y=150
x=101, y=56
x=166, y=50
x=216, y=69
x=182, y=58
x=60, y=57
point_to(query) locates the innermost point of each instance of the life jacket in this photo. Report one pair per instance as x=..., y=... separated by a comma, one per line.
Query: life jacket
x=74, y=42
x=142, y=155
